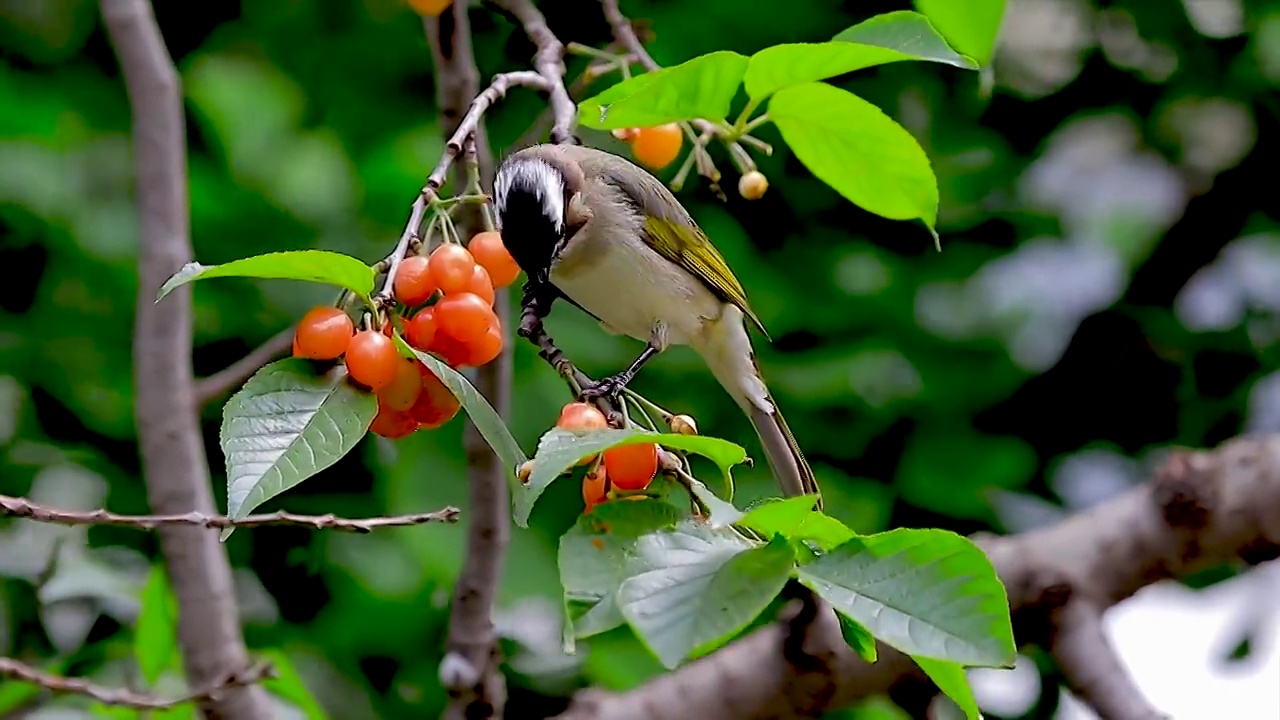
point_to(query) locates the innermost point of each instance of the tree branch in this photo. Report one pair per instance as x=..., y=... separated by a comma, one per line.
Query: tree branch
x=232, y=376
x=471, y=671
x=549, y=62
x=1201, y=509
x=1093, y=670
x=22, y=508
x=16, y=670
x=173, y=459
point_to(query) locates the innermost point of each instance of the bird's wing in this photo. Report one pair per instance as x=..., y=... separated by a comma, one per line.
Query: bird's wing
x=673, y=233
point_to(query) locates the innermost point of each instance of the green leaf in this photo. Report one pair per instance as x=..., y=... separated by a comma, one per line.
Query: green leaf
x=782, y=66
x=858, y=638
x=723, y=514
x=14, y=695
x=796, y=520
x=701, y=587
x=909, y=33
x=925, y=592
x=889, y=38
x=313, y=265
x=596, y=554
x=155, y=636
x=952, y=681
x=288, y=685
x=286, y=424
x=851, y=145
x=970, y=27
x=559, y=450
x=703, y=87
x=776, y=515
x=482, y=414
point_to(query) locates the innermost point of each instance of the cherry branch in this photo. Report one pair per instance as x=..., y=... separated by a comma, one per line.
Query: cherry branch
x=452, y=149
x=23, y=508
x=1201, y=509
x=15, y=670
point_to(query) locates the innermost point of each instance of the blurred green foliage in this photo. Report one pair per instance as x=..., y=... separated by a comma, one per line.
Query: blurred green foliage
x=1106, y=288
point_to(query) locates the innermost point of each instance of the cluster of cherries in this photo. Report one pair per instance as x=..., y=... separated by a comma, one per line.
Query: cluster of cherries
x=445, y=304
x=625, y=467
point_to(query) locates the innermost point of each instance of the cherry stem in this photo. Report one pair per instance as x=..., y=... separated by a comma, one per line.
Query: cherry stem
x=758, y=144
x=687, y=480
x=740, y=158
x=648, y=404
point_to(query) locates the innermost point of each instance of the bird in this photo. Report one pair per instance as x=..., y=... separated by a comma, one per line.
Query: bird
x=599, y=231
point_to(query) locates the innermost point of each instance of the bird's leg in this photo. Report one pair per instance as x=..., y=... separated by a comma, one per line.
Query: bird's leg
x=610, y=387
x=535, y=305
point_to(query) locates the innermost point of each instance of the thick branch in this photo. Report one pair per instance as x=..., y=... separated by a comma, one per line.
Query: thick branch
x=173, y=459
x=471, y=671
x=1202, y=508
x=232, y=376
x=1092, y=669
x=13, y=669
x=20, y=507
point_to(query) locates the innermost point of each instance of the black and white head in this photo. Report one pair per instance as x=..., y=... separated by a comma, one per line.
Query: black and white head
x=531, y=194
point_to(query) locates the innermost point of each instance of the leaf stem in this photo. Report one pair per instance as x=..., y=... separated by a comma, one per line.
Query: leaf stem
x=648, y=404
x=578, y=48
x=684, y=478
x=740, y=158
x=757, y=143
x=762, y=119
x=740, y=125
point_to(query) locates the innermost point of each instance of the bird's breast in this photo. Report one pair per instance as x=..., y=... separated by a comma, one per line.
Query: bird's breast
x=633, y=289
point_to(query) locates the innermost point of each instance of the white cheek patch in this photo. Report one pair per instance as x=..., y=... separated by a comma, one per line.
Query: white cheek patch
x=534, y=176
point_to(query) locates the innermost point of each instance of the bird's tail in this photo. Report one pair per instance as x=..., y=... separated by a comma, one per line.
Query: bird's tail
x=783, y=453
x=726, y=347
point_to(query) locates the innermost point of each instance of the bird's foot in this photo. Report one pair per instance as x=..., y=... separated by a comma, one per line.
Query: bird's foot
x=608, y=388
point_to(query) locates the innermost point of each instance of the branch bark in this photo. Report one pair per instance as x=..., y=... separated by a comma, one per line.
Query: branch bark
x=20, y=507
x=1202, y=508
x=173, y=458
x=549, y=62
x=119, y=697
x=471, y=671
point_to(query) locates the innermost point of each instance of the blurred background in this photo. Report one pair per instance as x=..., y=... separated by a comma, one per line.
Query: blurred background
x=1109, y=287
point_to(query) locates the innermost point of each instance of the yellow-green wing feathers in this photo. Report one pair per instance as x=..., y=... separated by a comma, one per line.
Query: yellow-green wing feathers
x=687, y=246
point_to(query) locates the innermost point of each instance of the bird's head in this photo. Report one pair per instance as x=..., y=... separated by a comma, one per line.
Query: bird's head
x=532, y=194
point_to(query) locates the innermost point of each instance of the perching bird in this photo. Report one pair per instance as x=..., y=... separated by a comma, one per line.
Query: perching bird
x=598, y=230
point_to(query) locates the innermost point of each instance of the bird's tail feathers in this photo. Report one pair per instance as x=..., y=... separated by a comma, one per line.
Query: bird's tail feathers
x=726, y=348
x=783, y=453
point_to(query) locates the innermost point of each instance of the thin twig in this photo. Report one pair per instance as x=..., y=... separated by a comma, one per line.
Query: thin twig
x=173, y=458
x=452, y=149
x=232, y=376
x=120, y=697
x=23, y=508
